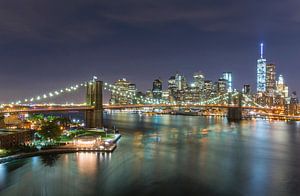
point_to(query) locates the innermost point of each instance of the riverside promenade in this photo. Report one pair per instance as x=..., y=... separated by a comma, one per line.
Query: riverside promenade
x=69, y=148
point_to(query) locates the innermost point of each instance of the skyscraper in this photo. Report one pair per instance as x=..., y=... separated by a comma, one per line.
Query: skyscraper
x=199, y=84
x=270, y=79
x=247, y=89
x=172, y=84
x=228, y=76
x=157, y=89
x=222, y=86
x=293, y=106
x=208, y=89
x=119, y=95
x=199, y=80
x=180, y=82
x=282, y=88
x=132, y=90
x=261, y=71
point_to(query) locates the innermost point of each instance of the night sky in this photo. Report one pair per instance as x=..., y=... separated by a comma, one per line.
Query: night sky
x=49, y=44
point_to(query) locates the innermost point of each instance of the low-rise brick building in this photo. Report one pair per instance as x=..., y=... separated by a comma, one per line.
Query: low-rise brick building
x=13, y=138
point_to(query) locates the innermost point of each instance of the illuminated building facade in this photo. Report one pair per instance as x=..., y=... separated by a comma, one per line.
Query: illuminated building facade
x=172, y=88
x=165, y=95
x=247, y=89
x=228, y=77
x=282, y=88
x=199, y=80
x=208, y=89
x=261, y=71
x=293, y=105
x=270, y=80
x=133, y=90
x=157, y=89
x=119, y=96
x=177, y=85
x=222, y=87
x=180, y=82
x=198, y=84
x=191, y=93
x=149, y=94
x=14, y=138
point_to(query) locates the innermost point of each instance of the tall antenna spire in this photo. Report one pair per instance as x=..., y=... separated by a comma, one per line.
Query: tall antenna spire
x=261, y=50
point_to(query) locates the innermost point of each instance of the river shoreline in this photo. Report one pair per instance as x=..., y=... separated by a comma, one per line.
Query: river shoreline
x=60, y=150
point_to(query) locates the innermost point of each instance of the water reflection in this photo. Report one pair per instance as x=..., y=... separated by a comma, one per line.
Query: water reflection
x=86, y=163
x=49, y=160
x=14, y=165
x=3, y=175
x=169, y=155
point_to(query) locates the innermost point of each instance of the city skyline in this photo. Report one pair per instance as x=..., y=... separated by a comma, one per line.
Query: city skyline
x=144, y=97
x=190, y=80
x=56, y=50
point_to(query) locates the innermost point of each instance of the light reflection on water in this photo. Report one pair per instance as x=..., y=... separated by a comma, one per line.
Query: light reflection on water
x=164, y=155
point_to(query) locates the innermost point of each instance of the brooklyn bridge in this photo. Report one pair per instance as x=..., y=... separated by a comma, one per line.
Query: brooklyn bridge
x=235, y=103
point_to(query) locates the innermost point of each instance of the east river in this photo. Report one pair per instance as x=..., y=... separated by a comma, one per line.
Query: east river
x=169, y=155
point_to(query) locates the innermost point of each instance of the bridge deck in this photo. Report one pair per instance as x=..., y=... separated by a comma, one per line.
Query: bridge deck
x=118, y=107
x=47, y=109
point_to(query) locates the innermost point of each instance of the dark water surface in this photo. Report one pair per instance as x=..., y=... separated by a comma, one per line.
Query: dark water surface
x=168, y=155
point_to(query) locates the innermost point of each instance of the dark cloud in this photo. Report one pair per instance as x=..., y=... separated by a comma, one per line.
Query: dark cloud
x=50, y=21
x=89, y=19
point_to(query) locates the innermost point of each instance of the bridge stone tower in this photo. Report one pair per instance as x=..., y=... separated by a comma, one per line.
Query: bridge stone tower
x=2, y=123
x=94, y=117
x=234, y=113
